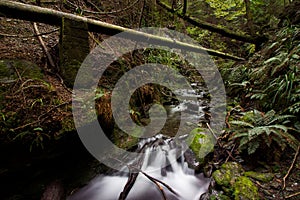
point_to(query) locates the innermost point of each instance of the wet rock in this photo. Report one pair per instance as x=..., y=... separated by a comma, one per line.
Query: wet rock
x=191, y=159
x=264, y=177
x=215, y=195
x=207, y=170
x=202, y=144
x=218, y=195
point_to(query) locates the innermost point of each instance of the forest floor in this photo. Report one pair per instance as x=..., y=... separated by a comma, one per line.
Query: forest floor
x=19, y=43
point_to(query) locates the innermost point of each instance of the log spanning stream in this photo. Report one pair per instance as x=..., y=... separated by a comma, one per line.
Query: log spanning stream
x=163, y=171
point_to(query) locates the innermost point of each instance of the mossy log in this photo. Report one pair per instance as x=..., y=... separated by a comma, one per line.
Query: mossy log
x=28, y=12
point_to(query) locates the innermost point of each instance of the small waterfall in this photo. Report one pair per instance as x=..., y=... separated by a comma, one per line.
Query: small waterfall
x=160, y=162
x=163, y=160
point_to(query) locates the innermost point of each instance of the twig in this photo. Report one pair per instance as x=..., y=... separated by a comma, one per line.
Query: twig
x=213, y=133
x=164, y=184
x=220, y=145
x=17, y=72
x=29, y=36
x=63, y=84
x=292, y=195
x=36, y=30
x=230, y=154
x=65, y=103
x=291, y=167
x=39, y=118
x=227, y=119
x=162, y=192
x=141, y=14
x=132, y=178
x=20, y=78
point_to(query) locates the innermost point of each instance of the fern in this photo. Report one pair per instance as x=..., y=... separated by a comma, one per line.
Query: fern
x=256, y=129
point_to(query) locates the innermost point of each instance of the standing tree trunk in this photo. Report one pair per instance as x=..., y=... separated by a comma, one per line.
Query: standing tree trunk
x=249, y=17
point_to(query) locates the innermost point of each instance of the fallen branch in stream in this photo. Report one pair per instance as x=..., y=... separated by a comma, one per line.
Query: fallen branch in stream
x=132, y=178
x=134, y=172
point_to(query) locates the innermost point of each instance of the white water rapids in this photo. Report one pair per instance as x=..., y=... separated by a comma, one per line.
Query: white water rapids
x=187, y=184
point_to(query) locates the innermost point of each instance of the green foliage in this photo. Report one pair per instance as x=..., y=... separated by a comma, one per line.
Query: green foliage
x=37, y=136
x=230, y=9
x=271, y=79
x=256, y=129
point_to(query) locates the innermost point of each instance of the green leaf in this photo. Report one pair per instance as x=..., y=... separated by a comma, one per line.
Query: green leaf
x=253, y=147
x=241, y=123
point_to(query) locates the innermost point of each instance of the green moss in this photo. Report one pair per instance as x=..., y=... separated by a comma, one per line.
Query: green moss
x=67, y=125
x=9, y=70
x=244, y=189
x=264, y=177
x=227, y=174
x=201, y=143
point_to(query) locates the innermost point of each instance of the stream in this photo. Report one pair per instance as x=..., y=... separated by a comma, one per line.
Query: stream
x=163, y=159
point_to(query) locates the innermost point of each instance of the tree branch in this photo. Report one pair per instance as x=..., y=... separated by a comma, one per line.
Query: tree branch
x=49, y=16
x=291, y=167
x=37, y=32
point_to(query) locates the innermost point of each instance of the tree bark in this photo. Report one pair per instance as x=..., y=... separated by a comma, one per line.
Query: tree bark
x=27, y=12
x=249, y=17
x=214, y=28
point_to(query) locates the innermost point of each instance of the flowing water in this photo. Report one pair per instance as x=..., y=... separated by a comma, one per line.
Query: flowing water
x=163, y=160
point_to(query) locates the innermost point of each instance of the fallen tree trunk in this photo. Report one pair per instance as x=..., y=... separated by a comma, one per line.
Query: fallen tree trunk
x=22, y=11
x=212, y=27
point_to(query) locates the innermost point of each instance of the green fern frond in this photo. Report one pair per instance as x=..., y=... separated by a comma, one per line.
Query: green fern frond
x=291, y=141
x=252, y=147
x=281, y=144
x=243, y=134
x=278, y=126
x=242, y=123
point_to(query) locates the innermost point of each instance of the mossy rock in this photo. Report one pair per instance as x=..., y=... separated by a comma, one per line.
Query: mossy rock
x=10, y=70
x=244, y=189
x=201, y=144
x=67, y=125
x=264, y=177
x=227, y=174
